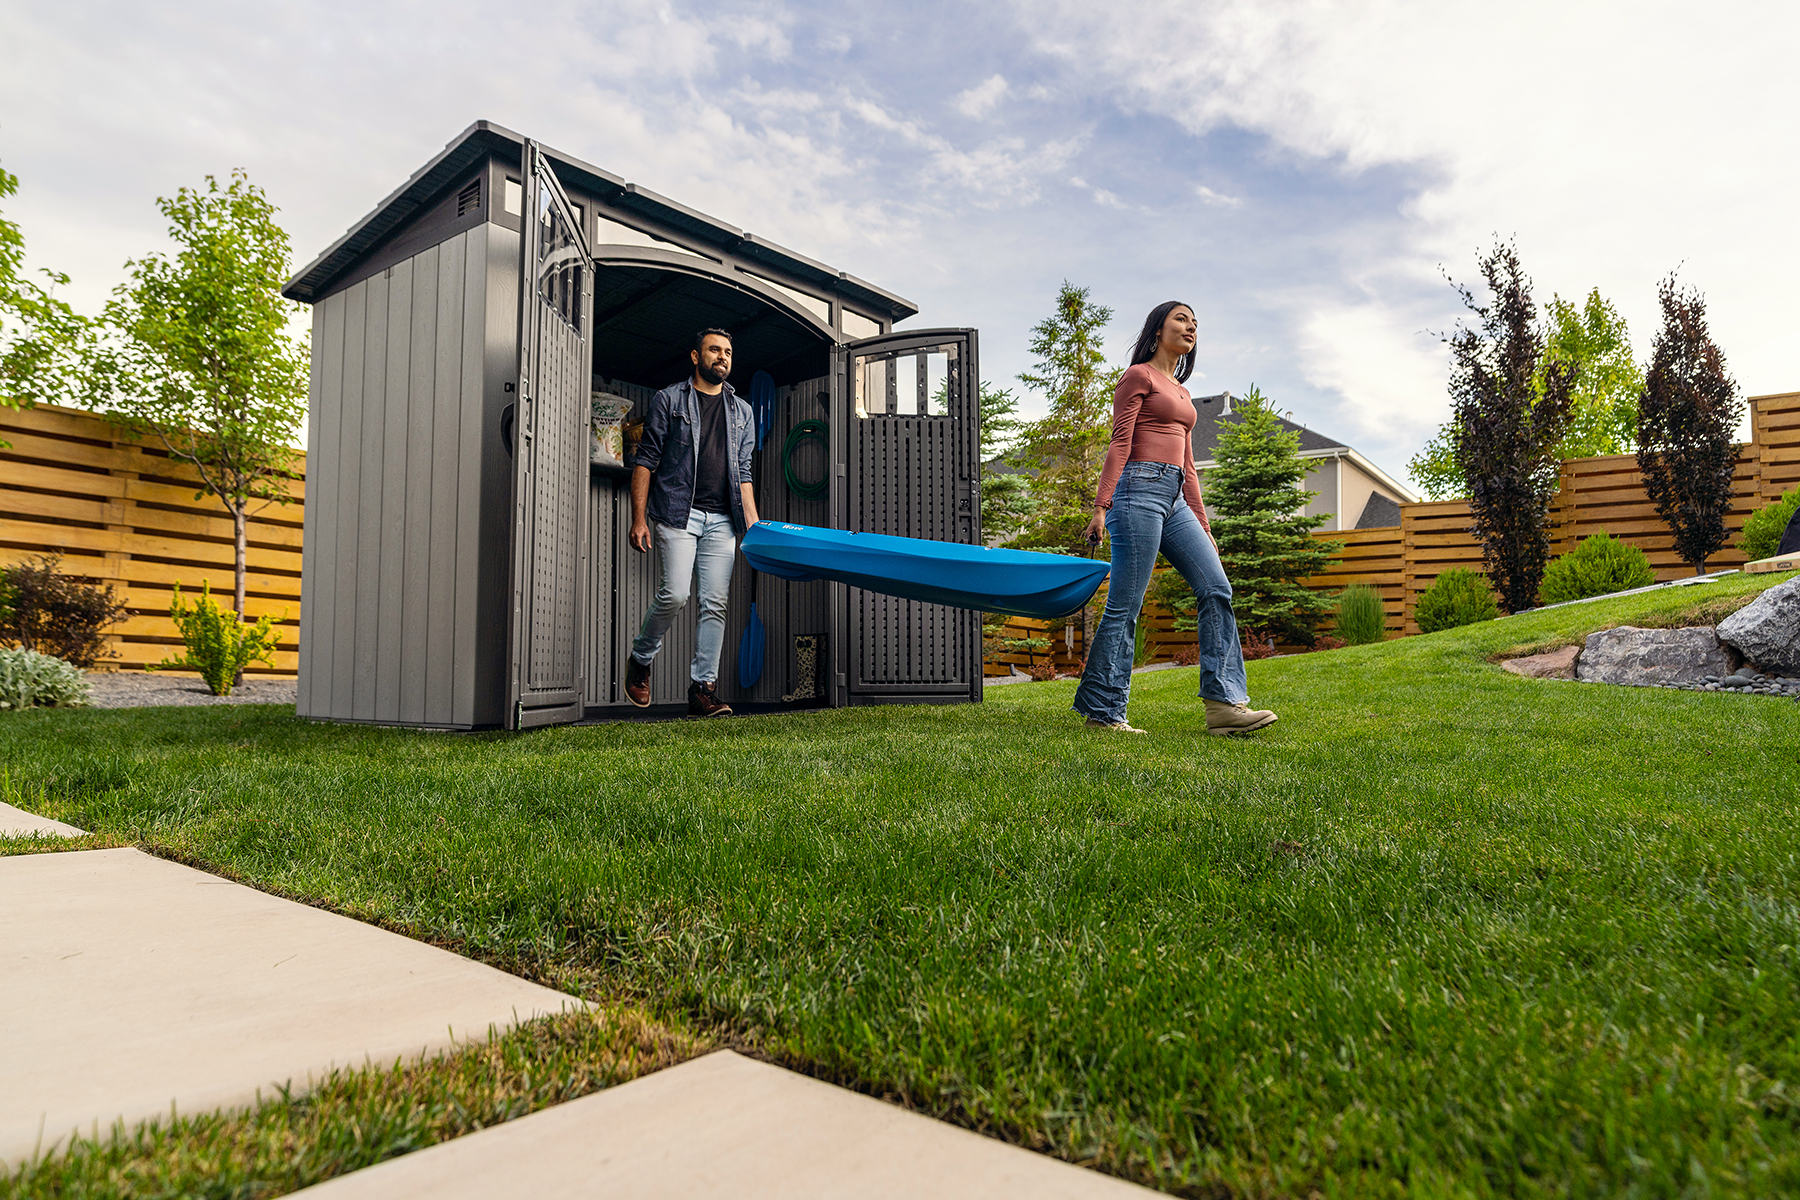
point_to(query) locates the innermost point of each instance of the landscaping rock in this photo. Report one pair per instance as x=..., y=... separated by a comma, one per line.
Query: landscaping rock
x=1557, y=664
x=1767, y=630
x=1644, y=657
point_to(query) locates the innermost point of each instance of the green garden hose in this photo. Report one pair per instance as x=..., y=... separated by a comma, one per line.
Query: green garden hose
x=796, y=435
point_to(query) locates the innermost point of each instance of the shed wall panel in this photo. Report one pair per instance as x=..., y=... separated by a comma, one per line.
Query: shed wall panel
x=368, y=546
x=390, y=615
x=343, y=664
x=321, y=430
x=421, y=408
x=439, y=612
x=490, y=363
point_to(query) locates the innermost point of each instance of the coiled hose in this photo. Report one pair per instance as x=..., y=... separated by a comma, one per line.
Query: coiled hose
x=796, y=485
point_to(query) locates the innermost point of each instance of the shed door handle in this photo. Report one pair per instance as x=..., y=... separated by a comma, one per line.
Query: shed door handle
x=508, y=415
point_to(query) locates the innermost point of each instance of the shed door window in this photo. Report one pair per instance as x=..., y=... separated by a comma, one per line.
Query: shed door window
x=560, y=258
x=915, y=382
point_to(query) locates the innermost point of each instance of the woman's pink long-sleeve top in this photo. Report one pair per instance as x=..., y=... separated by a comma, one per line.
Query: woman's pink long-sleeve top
x=1153, y=421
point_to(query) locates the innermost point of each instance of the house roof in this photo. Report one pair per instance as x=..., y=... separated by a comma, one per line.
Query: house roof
x=484, y=138
x=1206, y=431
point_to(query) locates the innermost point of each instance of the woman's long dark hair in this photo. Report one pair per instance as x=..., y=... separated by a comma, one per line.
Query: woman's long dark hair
x=1145, y=350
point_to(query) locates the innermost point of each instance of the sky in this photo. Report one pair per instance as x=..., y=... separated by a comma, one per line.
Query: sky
x=1305, y=175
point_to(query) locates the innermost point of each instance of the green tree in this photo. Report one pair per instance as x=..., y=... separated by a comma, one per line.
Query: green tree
x=1688, y=414
x=1593, y=344
x=41, y=337
x=1257, y=505
x=1006, y=500
x=1067, y=447
x=1511, y=412
x=197, y=351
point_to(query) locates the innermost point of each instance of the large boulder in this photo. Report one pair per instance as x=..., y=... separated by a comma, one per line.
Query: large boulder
x=1647, y=657
x=1767, y=630
x=1557, y=664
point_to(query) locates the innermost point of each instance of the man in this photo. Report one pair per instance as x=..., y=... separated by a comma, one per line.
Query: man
x=691, y=480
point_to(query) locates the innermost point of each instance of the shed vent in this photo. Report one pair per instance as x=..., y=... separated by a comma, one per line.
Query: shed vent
x=469, y=199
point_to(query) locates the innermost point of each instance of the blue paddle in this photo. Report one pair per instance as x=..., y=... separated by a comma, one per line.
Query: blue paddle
x=750, y=646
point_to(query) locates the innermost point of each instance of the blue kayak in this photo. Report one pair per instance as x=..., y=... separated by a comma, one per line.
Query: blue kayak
x=1018, y=582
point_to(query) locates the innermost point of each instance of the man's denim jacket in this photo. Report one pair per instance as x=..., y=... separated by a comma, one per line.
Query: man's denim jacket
x=671, y=450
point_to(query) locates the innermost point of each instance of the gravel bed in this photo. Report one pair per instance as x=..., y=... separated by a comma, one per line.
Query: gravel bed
x=1747, y=682
x=143, y=689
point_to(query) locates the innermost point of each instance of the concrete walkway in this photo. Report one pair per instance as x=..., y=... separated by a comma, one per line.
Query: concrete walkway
x=16, y=822
x=145, y=983
x=729, y=1128
x=135, y=985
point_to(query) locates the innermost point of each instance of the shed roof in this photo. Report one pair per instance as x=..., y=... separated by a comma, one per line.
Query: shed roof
x=484, y=138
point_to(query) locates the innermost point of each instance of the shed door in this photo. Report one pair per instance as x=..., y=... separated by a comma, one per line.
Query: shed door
x=550, y=459
x=912, y=469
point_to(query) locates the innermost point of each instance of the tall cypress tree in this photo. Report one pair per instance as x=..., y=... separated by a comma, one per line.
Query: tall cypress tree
x=1687, y=414
x=1256, y=502
x=1510, y=410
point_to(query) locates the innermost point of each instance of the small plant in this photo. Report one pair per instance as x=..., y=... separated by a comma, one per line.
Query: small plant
x=1459, y=597
x=1043, y=672
x=1328, y=642
x=1360, y=617
x=57, y=614
x=32, y=680
x=1257, y=647
x=996, y=646
x=1187, y=655
x=219, y=644
x=1140, y=641
x=1762, y=532
x=1598, y=566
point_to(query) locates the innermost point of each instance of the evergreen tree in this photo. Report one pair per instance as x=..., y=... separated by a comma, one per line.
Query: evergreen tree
x=1006, y=503
x=1687, y=415
x=1256, y=503
x=1066, y=449
x=1507, y=429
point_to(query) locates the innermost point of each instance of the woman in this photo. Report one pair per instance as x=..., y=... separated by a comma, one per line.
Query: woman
x=1149, y=500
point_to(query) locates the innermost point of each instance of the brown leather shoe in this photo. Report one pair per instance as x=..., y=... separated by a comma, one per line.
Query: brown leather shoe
x=637, y=682
x=703, y=703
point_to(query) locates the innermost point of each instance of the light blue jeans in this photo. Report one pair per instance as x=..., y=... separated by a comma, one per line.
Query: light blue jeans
x=706, y=550
x=1149, y=514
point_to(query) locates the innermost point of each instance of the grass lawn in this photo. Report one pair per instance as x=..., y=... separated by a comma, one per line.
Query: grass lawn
x=1441, y=931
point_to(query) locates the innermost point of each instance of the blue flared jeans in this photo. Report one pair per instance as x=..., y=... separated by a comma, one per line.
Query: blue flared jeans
x=1150, y=515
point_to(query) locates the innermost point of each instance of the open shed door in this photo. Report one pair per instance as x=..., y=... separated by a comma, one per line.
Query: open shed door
x=912, y=469
x=550, y=456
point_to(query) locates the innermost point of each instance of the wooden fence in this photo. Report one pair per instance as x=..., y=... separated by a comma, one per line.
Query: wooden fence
x=1402, y=561
x=124, y=513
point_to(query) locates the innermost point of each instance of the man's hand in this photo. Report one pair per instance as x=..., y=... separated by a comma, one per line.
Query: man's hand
x=640, y=536
x=640, y=501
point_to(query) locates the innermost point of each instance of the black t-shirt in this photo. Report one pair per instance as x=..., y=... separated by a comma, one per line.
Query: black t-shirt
x=712, y=479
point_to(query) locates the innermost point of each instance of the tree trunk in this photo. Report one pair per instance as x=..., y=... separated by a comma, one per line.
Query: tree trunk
x=239, y=525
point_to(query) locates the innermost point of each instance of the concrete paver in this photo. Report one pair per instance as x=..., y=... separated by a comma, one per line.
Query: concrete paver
x=132, y=983
x=16, y=821
x=724, y=1126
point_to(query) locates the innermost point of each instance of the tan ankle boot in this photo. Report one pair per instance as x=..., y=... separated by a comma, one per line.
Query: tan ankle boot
x=1222, y=718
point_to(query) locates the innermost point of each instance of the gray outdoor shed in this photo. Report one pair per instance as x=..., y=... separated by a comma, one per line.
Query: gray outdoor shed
x=464, y=564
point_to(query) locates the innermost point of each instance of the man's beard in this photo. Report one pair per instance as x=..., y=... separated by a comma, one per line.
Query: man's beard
x=714, y=374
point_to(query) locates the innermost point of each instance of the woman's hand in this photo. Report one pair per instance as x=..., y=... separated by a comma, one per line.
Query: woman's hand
x=1096, y=527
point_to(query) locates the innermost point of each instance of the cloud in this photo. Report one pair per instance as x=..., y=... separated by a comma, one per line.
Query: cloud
x=980, y=100
x=1216, y=199
x=1614, y=139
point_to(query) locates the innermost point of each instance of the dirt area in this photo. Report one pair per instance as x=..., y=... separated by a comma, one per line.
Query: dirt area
x=144, y=689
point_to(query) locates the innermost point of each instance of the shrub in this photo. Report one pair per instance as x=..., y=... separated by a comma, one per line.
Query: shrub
x=1762, y=532
x=1256, y=647
x=1459, y=597
x=32, y=680
x=1598, y=566
x=1360, y=617
x=1328, y=642
x=219, y=644
x=1188, y=654
x=1043, y=672
x=57, y=614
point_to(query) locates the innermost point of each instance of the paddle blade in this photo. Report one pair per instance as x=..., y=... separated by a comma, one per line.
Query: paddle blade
x=750, y=651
